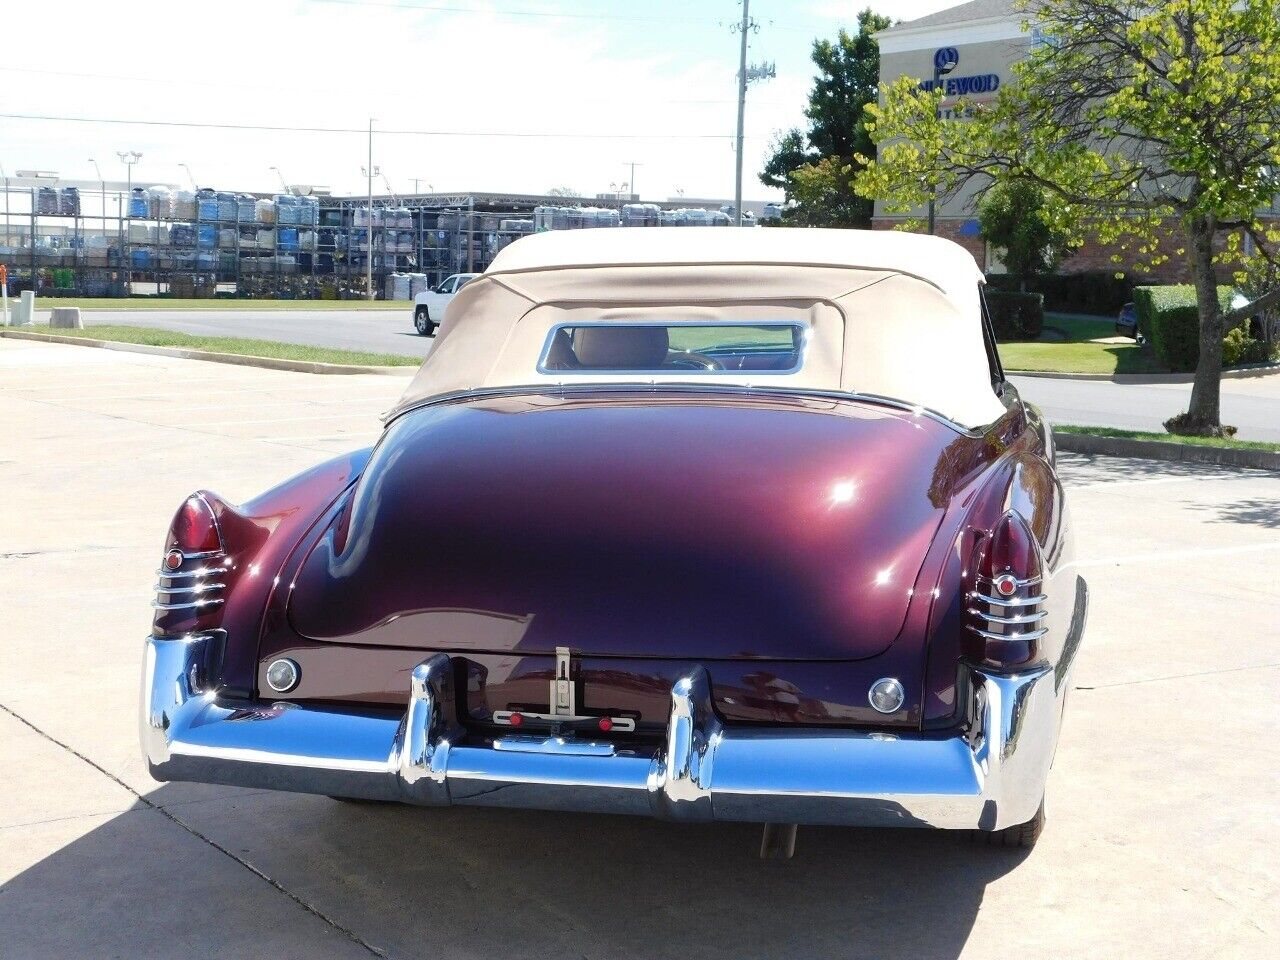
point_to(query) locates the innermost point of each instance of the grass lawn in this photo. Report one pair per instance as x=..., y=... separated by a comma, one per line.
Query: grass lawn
x=241, y=346
x=1171, y=438
x=218, y=303
x=1064, y=347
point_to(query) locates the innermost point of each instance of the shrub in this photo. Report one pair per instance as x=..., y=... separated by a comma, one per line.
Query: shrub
x=1169, y=317
x=1238, y=347
x=1015, y=316
x=1097, y=292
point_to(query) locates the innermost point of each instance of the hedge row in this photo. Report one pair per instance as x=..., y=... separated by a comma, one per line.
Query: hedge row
x=1015, y=316
x=1169, y=317
x=1098, y=292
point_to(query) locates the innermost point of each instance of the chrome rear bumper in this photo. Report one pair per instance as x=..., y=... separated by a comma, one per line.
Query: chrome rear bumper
x=991, y=778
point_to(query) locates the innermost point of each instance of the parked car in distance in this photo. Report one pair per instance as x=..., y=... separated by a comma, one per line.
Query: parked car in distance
x=1127, y=321
x=693, y=523
x=428, y=307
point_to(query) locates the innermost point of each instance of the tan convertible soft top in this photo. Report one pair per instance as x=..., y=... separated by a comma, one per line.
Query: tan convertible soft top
x=888, y=313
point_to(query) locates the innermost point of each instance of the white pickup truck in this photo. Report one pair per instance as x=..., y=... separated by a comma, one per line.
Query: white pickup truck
x=428, y=307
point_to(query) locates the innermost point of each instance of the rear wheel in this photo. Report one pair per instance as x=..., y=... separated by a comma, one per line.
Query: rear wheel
x=422, y=322
x=1021, y=835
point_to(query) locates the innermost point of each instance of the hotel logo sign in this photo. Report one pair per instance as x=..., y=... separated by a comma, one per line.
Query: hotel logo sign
x=946, y=59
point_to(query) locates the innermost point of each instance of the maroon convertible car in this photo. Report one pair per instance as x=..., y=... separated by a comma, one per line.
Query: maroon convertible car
x=701, y=524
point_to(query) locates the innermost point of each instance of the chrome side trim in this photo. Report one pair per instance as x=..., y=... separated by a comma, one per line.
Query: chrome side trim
x=1018, y=618
x=185, y=574
x=186, y=606
x=190, y=588
x=999, y=602
x=1024, y=635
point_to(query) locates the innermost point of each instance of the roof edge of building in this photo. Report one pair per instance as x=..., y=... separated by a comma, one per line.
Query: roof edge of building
x=906, y=38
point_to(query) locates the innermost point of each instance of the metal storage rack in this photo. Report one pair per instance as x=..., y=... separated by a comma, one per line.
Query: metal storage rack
x=222, y=248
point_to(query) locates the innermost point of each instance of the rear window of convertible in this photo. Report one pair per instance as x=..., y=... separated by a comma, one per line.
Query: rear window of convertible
x=658, y=348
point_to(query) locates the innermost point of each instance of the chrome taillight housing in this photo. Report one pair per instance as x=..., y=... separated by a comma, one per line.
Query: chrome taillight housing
x=192, y=574
x=1006, y=613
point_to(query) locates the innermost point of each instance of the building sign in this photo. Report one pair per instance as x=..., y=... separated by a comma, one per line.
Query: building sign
x=966, y=86
x=946, y=59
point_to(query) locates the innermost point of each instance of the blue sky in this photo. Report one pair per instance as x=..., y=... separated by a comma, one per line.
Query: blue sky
x=474, y=74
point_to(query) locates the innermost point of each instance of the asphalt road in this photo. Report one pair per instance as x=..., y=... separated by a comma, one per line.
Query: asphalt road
x=381, y=331
x=1162, y=828
x=1252, y=404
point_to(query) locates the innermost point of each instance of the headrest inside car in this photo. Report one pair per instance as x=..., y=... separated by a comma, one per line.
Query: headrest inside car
x=621, y=347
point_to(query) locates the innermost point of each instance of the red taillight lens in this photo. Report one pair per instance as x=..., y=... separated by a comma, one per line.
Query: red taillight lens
x=194, y=528
x=1012, y=554
x=1006, y=615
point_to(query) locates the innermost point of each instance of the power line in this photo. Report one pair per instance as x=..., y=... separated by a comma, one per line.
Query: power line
x=551, y=14
x=188, y=124
x=220, y=85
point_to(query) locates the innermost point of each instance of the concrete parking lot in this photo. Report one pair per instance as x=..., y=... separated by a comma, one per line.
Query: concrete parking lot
x=1163, y=819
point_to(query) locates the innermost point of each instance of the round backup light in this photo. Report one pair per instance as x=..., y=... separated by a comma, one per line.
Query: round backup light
x=173, y=559
x=886, y=695
x=1006, y=584
x=282, y=675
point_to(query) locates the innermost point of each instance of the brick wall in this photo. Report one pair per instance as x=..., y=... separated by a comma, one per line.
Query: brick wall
x=1090, y=257
x=946, y=227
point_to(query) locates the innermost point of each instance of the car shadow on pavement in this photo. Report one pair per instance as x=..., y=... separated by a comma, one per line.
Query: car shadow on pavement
x=478, y=882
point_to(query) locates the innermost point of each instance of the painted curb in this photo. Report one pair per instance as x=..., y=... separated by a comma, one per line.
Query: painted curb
x=184, y=353
x=1160, y=450
x=1240, y=373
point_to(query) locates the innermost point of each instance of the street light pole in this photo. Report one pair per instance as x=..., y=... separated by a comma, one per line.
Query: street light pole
x=102, y=188
x=190, y=177
x=634, y=192
x=129, y=158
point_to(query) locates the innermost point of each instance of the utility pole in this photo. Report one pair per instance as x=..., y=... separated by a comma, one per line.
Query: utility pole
x=746, y=74
x=370, y=172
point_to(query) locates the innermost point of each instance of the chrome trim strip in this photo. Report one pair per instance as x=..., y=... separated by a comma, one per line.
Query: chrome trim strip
x=185, y=606
x=187, y=574
x=190, y=588
x=987, y=777
x=1035, y=617
x=999, y=602
x=1025, y=635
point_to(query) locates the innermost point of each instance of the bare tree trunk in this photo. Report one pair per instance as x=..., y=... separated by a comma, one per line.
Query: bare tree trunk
x=1204, y=413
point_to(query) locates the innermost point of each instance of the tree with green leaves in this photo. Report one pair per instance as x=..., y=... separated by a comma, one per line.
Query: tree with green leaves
x=848, y=74
x=1156, y=127
x=1009, y=216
